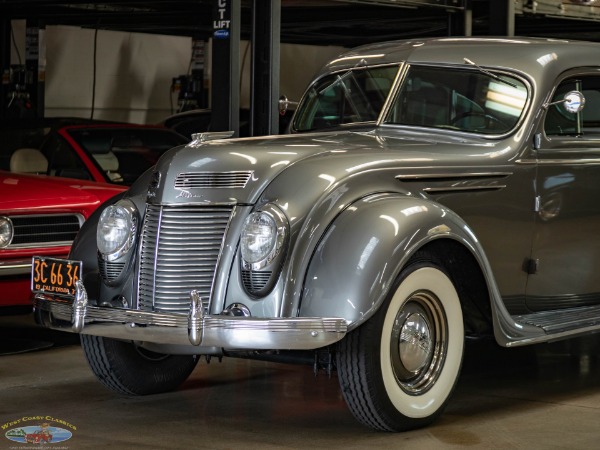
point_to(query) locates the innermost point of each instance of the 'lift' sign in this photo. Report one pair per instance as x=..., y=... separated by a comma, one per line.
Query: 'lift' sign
x=222, y=19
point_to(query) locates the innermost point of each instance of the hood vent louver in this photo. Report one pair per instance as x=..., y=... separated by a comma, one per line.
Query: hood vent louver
x=449, y=183
x=213, y=180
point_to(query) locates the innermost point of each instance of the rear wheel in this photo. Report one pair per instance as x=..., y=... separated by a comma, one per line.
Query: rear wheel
x=398, y=369
x=129, y=369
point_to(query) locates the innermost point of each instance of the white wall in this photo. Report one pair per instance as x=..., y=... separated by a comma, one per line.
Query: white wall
x=134, y=71
x=299, y=63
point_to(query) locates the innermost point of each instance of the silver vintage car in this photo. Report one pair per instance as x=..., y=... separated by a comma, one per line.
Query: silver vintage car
x=430, y=190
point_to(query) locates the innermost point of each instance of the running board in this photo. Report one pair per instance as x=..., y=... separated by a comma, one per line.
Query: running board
x=561, y=323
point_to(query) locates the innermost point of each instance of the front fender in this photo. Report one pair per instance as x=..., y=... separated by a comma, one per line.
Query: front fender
x=365, y=248
x=84, y=247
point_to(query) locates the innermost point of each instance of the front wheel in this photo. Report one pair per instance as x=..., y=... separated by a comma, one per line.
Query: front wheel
x=398, y=369
x=129, y=369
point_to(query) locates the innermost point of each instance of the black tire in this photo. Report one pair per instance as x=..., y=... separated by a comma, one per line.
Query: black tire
x=392, y=383
x=131, y=370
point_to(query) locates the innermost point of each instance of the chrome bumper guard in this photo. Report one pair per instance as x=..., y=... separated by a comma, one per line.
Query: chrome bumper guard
x=229, y=332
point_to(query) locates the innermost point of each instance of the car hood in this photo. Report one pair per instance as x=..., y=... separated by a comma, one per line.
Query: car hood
x=237, y=171
x=33, y=193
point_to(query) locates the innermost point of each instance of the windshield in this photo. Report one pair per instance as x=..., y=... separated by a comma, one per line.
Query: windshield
x=466, y=100
x=124, y=153
x=354, y=96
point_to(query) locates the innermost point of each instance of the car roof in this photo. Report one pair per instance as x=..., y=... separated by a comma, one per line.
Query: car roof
x=538, y=57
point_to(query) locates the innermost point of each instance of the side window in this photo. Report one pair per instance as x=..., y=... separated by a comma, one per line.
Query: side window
x=464, y=100
x=559, y=122
x=63, y=161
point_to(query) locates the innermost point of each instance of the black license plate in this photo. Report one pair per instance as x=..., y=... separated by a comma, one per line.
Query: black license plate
x=54, y=276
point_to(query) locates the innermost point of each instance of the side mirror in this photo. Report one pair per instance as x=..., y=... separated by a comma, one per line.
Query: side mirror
x=284, y=104
x=574, y=101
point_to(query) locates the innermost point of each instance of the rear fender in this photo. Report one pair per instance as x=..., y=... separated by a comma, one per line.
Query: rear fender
x=365, y=248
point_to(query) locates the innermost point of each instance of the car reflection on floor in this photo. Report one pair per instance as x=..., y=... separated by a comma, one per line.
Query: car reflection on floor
x=531, y=397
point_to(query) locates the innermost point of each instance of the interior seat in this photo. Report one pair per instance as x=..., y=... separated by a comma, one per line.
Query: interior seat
x=109, y=163
x=28, y=160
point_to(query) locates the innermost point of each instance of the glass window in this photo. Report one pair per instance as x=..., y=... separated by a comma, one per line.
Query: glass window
x=560, y=122
x=124, y=153
x=63, y=161
x=471, y=100
x=354, y=96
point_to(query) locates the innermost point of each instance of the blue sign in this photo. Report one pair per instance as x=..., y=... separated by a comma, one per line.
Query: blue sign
x=221, y=34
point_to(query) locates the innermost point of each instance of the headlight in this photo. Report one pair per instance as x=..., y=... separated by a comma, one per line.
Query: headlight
x=6, y=231
x=263, y=235
x=116, y=230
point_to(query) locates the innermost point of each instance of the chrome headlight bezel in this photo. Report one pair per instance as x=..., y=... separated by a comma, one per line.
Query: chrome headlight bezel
x=120, y=218
x=279, y=231
x=7, y=231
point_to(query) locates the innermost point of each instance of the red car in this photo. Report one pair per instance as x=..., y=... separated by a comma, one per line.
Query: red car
x=115, y=153
x=37, y=437
x=40, y=215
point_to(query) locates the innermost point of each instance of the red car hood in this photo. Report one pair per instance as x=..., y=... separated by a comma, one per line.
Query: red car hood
x=30, y=193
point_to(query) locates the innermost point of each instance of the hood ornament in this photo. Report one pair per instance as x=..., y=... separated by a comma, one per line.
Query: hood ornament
x=200, y=138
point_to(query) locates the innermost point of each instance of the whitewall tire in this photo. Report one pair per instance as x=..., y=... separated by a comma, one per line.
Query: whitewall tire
x=398, y=370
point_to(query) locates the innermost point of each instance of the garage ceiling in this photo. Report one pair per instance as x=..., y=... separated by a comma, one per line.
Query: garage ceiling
x=345, y=23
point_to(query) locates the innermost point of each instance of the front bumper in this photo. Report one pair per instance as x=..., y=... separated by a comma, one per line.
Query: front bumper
x=15, y=267
x=228, y=332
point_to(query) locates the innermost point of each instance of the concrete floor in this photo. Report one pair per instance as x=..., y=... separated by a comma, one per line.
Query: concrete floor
x=545, y=397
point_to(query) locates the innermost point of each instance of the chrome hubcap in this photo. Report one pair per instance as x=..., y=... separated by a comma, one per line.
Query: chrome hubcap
x=419, y=343
x=416, y=343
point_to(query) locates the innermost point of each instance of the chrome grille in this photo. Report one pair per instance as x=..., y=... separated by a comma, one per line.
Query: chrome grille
x=110, y=271
x=179, y=253
x=255, y=281
x=46, y=230
x=204, y=180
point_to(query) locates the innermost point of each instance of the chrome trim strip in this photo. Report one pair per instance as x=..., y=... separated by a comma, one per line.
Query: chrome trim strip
x=526, y=161
x=397, y=83
x=463, y=188
x=197, y=204
x=79, y=216
x=420, y=176
x=561, y=162
x=453, y=178
x=39, y=245
x=571, y=162
x=20, y=267
x=230, y=332
x=537, y=339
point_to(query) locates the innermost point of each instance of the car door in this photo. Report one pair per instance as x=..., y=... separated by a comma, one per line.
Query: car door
x=566, y=246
